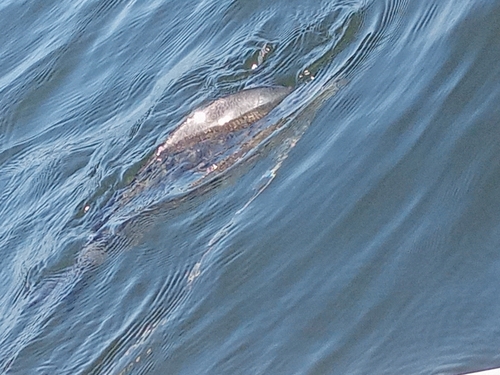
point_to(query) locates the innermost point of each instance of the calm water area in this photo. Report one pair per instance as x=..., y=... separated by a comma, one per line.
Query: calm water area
x=360, y=235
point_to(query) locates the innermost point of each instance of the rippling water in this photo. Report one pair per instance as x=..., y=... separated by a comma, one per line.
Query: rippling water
x=360, y=235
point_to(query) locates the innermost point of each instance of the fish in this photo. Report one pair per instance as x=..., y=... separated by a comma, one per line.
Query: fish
x=209, y=125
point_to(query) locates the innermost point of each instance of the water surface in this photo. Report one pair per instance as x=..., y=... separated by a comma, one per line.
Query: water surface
x=358, y=235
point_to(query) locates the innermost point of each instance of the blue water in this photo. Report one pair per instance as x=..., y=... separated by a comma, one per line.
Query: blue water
x=359, y=236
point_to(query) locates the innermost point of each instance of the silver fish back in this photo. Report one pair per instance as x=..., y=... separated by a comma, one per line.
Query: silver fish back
x=227, y=114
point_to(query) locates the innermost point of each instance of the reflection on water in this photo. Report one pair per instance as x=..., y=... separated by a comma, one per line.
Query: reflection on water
x=351, y=230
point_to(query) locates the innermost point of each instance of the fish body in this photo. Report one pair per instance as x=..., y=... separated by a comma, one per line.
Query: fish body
x=201, y=143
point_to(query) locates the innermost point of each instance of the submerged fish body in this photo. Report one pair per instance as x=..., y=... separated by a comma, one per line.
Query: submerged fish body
x=203, y=140
x=198, y=140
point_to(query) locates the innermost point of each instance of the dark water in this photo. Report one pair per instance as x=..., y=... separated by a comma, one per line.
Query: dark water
x=360, y=236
